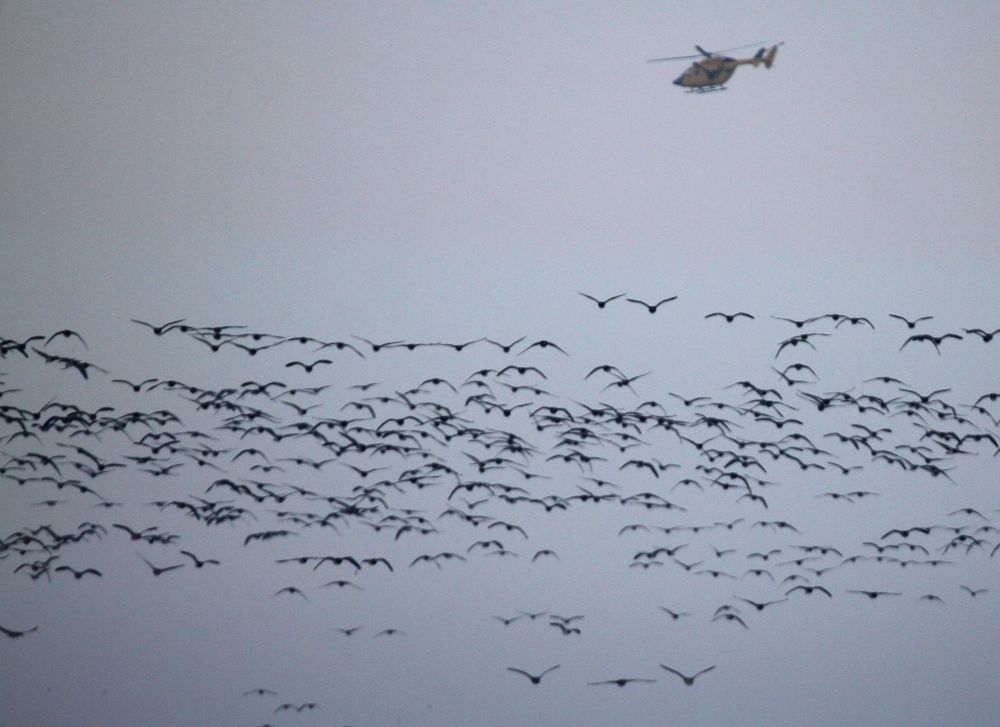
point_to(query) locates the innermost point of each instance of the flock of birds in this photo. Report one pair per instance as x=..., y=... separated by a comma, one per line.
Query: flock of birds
x=487, y=458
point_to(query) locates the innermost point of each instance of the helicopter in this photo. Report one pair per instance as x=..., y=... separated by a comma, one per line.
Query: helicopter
x=712, y=72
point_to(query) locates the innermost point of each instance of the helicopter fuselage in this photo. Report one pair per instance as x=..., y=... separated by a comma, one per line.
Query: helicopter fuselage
x=709, y=73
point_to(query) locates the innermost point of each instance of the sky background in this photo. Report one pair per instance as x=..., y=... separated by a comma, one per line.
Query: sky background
x=448, y=171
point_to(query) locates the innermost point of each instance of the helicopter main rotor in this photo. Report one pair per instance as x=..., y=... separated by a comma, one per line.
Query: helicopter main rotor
x=702, y=53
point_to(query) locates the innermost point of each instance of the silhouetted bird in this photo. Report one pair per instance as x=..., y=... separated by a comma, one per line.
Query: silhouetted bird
x=602, y=303
x=15, y=634
x=911, y=324
x=730, y=317
x=688, y=680
x=621, y=682
x=157, y=571
x=535, y=679
x=197, y=562
x=651, y=307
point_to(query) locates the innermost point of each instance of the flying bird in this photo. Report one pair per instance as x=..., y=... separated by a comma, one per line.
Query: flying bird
x=157, y=571
x=160, y=330
x=65, y=333
x=730, y=317
x=534, y=678
x=622, y=681
x=688, y=680
x=602, y=303
x=651, y=307
x=15, y=634
x=911, y=324
x=875, y=594
x=198, y=563
x=985, y=336
x=543, y=343
x=675, y=615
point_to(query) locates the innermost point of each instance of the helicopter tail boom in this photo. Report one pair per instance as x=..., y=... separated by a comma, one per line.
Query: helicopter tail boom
x=764, y=55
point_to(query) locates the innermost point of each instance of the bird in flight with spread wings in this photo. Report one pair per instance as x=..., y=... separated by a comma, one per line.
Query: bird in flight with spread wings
x=535, y=678
x=688, y=680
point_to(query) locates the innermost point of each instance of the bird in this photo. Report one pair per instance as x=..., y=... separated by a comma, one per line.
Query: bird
x=796, y=323
x=15, y=634
x=985, y=336
x=730, y=317
x=911, y=324
x=308, y=367
x=157, y=571
x=65, y=333
x=731, y=617
x=290, y=590
x=506, y=347
x=796, y=340
x=621, y=682
x=543, y=343
x=532, y=614
x=875, y=594
x=688, y=680
x=654, y=306
x=675, y=615
x=135, y=387
x=760, y=606
x=376, y=347
x=342, y=584
x=854, y=321
x=602, y=303
x=808, y=590
x=160, y=330
x=544, y=551
x=626, y=382
x=607, y=369
x=198, y=563
x=534, y=678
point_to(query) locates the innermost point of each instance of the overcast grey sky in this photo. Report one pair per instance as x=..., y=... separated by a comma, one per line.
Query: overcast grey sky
x=441, y=172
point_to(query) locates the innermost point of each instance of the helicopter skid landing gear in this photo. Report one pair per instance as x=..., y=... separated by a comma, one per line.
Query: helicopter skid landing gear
x=707, y=89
